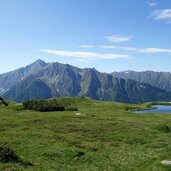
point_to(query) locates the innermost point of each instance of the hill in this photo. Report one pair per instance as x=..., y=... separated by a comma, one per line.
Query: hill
x=100, y=136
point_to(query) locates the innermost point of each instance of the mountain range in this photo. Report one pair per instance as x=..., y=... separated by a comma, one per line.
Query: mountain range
x=41, y=80
x=161, y=80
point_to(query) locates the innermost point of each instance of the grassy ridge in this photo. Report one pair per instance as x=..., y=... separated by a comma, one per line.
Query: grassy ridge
x=104, y=136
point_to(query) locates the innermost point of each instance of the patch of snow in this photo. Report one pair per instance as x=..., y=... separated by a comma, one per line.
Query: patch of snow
x=2, y=90
x=142, y=86
x=56, y=77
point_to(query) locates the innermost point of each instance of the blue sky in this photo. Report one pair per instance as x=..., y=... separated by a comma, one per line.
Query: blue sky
x=110, y=35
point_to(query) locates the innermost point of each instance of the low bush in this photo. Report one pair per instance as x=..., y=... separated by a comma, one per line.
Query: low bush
x=71, y=109
x=43, y=105
x=3, y=102
x=79, y=154
x=7, y=155
x=163, y=128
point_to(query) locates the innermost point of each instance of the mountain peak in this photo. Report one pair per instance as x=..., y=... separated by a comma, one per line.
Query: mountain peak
x=37, y=65
x=39, y=61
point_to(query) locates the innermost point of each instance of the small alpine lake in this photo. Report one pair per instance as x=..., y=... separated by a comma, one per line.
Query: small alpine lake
x=156, y=109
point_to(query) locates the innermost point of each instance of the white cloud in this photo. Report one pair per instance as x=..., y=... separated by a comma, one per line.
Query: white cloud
x=139, y=50
x=128, y=48
x=118, y=38
x=152, y=4
x=119, y=47
x=87, y=46
x=154, y=50
x=108, y=47
x=164, y=14
x=85, y=55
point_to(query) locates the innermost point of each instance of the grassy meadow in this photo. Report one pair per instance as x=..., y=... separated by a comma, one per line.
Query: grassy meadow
x=100, y=136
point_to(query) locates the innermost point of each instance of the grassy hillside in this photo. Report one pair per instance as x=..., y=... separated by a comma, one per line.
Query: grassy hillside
x=100, y=136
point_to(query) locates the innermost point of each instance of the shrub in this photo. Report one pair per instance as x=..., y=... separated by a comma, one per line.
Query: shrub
x=163, y=128
x=71, y=109
x=7, y=155
x=79, y=154
x=3, y=102
x=127, y=108
x=43, y=105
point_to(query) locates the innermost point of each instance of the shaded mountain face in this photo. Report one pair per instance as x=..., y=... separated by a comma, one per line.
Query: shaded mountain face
x=56, y=80
x=161, y=80
x=29, y=89
x=8, y=80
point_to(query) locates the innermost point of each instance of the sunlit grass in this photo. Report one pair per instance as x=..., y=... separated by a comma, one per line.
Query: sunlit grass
x=104, y=136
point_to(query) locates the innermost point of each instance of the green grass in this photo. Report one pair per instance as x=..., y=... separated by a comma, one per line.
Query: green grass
x=107, y=136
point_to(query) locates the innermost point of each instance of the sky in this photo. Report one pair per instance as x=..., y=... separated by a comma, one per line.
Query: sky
x=109, y=35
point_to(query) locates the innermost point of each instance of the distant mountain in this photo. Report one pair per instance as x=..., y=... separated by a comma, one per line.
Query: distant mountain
x=8, y=80
x=30, y=89
x=56, y=80
x=161, y=80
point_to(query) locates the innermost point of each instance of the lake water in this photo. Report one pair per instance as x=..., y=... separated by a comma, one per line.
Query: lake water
x=157, y=109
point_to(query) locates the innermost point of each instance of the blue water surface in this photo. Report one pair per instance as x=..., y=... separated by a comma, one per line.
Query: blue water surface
x=156, y=109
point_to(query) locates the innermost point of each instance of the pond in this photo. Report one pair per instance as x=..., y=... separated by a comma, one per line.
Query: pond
x=156, y=109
